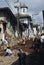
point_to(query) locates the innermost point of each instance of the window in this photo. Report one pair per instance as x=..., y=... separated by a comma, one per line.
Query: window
x=23, y=10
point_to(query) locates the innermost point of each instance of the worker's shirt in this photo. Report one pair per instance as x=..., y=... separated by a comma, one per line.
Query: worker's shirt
x=8, y=51
x=42, y=38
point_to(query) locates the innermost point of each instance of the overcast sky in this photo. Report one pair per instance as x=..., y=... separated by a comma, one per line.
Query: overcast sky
x=34, y=6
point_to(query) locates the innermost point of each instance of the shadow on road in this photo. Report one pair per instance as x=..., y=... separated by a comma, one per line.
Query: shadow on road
x=35, y=58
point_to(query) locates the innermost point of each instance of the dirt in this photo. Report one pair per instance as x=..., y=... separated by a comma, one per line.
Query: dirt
x=8, y=60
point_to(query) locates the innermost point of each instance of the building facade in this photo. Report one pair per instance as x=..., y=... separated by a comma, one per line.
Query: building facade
x=7, y=22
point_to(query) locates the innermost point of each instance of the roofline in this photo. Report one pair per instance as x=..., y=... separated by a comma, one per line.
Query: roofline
x=24, y=7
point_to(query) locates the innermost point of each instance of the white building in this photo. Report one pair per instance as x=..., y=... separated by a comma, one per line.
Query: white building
x=25, y=20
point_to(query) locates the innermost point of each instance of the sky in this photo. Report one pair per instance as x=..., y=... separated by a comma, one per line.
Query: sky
x=34, y=6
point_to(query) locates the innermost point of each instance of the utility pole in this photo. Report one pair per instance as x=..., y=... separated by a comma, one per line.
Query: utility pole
x=17, y=7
